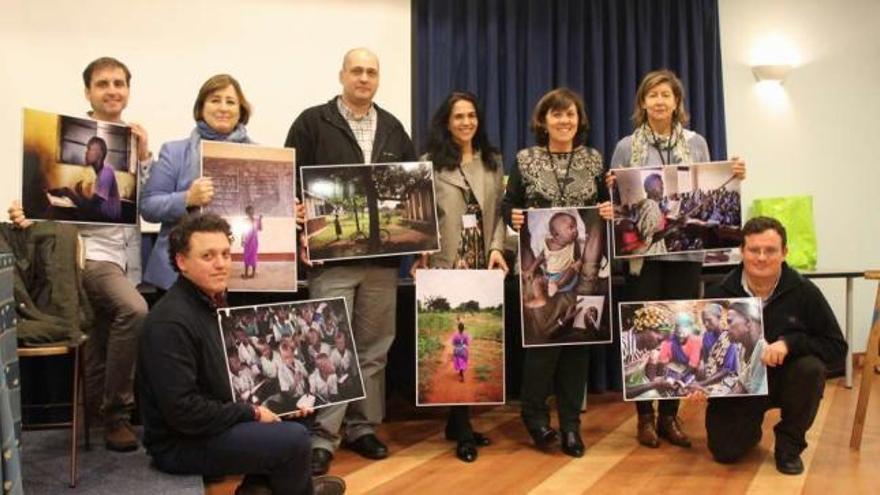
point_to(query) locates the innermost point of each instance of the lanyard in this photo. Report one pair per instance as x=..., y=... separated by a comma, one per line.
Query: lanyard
x=669, y=145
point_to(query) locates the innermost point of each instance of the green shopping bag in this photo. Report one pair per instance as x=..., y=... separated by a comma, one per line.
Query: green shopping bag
x=796, y=214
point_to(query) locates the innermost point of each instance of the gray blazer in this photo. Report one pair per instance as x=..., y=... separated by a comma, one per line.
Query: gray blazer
x=450, y=188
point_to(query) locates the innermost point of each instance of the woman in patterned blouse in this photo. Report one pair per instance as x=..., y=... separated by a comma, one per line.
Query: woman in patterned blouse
x=561, y=171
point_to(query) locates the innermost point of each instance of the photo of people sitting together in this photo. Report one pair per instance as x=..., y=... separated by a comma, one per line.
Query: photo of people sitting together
x=659, y=214
x=291, y=355
x=670, y=353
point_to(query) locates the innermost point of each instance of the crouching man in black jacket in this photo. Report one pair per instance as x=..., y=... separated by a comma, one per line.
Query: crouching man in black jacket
x=191, y=425
x=803, y=338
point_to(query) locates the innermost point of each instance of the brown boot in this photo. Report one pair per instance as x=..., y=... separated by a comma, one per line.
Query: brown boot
x=669, y=427
x=647, y=433
x=328, y=485
x=119, y=437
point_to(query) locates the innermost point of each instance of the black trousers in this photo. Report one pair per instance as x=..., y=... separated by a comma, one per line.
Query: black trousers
x=277, y=454
x=663, y=281
x=561, y=370
x=458, y=424
x=733, y=425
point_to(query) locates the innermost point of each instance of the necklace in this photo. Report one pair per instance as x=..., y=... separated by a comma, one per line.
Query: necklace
x=562, y=183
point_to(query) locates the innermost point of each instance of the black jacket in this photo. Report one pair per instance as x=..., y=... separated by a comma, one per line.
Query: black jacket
x=796, y=311
x=321, y=136
x=184, y=387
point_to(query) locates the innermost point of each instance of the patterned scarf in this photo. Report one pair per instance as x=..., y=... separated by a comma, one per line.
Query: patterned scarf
x=204, y=131
x=717, y=354
x=644, y=139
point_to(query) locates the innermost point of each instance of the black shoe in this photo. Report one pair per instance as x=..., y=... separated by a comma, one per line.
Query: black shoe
x=328, y=485
x=369, y=446
x=481, y=440
x=321, y=461
x=572, y=444
x=543, y=436
x=789, y=464
x=254, y=485
x=466, y=451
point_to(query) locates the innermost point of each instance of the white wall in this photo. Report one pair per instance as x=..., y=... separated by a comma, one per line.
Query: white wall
x=818, y=133
x=819, y=136
x=286, y=54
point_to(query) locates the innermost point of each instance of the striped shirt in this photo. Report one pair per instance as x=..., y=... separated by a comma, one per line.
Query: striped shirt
x=363, y=128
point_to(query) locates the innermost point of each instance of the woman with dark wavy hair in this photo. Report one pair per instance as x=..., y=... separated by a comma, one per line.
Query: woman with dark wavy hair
x=468, y=179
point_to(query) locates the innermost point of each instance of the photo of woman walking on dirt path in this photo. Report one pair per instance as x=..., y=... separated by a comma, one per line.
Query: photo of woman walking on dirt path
x=460, y=343
x=468, y=179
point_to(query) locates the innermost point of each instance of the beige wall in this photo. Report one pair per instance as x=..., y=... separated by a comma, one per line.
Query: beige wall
x=286, y=54
x=818, y=133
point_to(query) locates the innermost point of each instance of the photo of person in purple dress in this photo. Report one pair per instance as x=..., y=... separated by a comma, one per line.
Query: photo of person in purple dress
x=98, y=201
x=461, y=341
x=250, y=241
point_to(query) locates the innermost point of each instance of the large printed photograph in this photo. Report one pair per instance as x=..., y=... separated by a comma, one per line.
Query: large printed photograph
x=565, y=282
x=287, y=356
x=78, y=170
x=672, y=349
x=460, y=337
x=676, y=208
x=254, y=192
x=365, y=211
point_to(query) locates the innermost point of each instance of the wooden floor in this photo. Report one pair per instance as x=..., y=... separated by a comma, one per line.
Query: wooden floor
x=422, y=462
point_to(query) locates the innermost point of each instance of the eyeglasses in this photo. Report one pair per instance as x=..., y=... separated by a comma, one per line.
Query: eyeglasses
x=767, y=252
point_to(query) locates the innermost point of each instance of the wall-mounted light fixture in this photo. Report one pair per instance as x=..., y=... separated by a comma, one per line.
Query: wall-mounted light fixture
x=772, y=73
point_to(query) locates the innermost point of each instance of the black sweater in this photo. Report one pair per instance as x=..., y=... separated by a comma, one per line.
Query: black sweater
x=183, y=382
x=796, y=311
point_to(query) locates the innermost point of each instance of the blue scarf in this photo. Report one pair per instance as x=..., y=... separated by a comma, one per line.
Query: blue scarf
x=204, y=131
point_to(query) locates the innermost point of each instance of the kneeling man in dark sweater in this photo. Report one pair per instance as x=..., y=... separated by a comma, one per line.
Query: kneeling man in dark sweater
x=803, y=338
x=191, y=424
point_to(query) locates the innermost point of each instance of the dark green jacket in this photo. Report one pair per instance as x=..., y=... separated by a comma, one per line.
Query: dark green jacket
x=50, y=300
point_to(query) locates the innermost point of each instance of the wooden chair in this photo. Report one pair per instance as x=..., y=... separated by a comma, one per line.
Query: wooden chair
x=855, y=441
x=77, y=395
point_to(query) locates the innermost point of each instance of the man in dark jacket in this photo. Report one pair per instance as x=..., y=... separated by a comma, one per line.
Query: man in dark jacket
x=351, y=129
x=803, y=338
x=191, y=424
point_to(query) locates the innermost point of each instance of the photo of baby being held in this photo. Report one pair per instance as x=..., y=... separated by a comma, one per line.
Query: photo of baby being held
x=564, y=257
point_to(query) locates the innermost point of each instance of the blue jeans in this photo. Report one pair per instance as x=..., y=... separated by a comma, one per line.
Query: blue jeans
x=279, y=452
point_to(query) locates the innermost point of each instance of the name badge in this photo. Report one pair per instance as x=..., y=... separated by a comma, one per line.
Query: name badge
x=469, y=221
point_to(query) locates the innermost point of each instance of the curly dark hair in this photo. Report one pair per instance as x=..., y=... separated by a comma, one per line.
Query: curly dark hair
x=443, y=151
x=178, y=239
